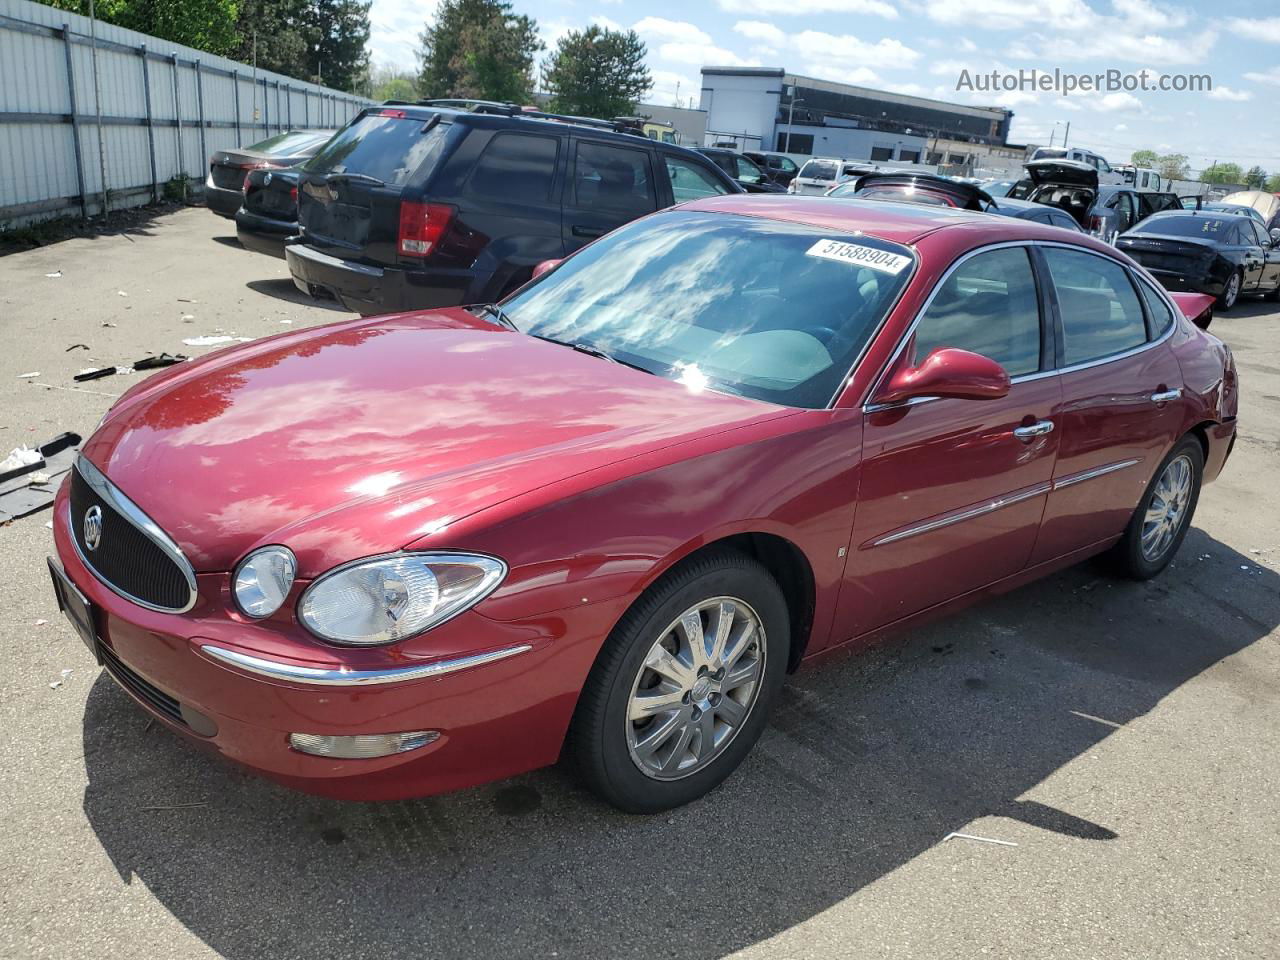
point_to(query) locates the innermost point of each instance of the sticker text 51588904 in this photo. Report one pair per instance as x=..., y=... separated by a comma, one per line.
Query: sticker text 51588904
x=860, y=256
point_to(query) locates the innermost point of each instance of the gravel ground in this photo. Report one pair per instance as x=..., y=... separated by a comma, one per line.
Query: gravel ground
x=1124, y=736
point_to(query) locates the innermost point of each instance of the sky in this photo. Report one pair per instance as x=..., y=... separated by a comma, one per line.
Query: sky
x=921, y=47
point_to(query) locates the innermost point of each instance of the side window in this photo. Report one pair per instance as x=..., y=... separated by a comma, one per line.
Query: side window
x=616, y=179
x=516, y=166
x=987, y=305
x=1125, y=209
x=1263, y=239
x=1161, y=317
x=690, y=181
x=1100, y=312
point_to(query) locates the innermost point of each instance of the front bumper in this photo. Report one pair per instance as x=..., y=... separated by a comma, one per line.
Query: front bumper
x=262, y=234
x=221, y=200
x=251, y=684
x=369, y=289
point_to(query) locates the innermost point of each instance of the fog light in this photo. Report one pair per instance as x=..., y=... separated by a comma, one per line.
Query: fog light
x=362, y=746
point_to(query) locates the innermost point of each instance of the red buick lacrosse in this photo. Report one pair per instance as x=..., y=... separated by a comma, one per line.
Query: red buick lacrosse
x=394, y=556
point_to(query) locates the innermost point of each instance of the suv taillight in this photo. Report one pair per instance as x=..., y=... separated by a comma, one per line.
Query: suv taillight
x=422, y=225
x=1096, y=225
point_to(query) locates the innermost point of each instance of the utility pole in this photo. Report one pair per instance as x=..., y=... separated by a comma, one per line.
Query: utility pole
x=791, y=115
x=1066, y=133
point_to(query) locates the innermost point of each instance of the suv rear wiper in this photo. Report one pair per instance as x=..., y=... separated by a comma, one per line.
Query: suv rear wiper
x=359, y=177
x=591, y=350
x=498, y=315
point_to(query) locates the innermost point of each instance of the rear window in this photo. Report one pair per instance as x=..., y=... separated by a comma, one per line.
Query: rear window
x=766, y=309
x=905, y=194
x=818, y=170
x=1185, y=226
x=391, y=149
x=1049, y=153
x=285, y=144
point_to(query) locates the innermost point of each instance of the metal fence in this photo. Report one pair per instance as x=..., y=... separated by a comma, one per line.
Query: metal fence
x=88, y=126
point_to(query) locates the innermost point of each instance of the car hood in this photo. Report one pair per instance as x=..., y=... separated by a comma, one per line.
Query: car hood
x=363, y=436
x=1064, y=172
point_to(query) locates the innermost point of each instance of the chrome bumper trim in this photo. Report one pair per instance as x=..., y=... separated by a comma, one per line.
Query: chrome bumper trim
x=322, y=676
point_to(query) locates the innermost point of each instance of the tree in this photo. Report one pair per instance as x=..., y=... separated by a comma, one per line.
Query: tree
x=271, y=31
x=1273, y=183
x=597, y=73
x=1255, y=178
x=478, y=49
x=385, y=82
x=203, y=24
x=337, y=34
x=1144, y=158
x=1223, y=173
x=1174, y=166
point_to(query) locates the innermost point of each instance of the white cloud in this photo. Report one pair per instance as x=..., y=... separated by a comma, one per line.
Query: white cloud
x=682, y=42
x=1121, y=127
x=604, y=23
x=875, y=8
x=967, y=45
x=1271, y=76
x=759, y=30
x=827, y=47
x=1226, y=93
x=1268, y=31
x=668, y=84
x=1119, y=102
x=1012, y=14
x=394, y=26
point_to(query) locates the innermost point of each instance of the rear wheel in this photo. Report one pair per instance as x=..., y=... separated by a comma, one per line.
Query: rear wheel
x=1231, y=293
x=684, y=685
x=1274, y=295
x=1164, y=514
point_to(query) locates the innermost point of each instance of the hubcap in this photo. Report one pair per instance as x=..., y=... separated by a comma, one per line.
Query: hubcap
x=1233, y=289
x=1167, y=510
x=696, y=688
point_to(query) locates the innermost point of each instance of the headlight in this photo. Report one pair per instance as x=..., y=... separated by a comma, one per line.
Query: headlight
x=263, y=580
x=385, y=599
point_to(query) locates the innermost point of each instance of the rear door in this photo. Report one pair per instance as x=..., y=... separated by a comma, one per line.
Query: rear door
x=349, y=193
x=952, y=490
x=1255, y=260
x=1271, y=254
x=1121, y=401
x=609, y=185
x=688, y=180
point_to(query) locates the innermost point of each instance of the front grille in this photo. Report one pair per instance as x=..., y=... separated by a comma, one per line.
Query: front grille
x=229, y=178
x=126, y=559
x=151, y=695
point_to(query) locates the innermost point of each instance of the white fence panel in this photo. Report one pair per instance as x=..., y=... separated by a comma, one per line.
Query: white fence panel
x=148, y=112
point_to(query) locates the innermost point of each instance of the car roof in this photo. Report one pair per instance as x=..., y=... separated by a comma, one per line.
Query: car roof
x=903, y=223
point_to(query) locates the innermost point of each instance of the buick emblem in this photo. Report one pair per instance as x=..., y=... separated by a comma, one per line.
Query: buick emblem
x=266, y=181
x=92, y=527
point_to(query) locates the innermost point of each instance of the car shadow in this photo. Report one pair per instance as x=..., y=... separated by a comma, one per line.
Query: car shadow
x=231, y=241
x=871, y=759
x=285, y=290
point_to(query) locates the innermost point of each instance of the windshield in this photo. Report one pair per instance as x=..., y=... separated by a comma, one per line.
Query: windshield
x=818, y=170
x=387, y=148
x=769, y=310
x=899, y=193
x=1184, y=226
x=748, y=171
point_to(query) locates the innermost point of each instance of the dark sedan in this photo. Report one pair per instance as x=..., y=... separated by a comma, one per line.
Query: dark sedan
x=227, y=168
x=1224, y=255
x=269, y=214
x=749, y=174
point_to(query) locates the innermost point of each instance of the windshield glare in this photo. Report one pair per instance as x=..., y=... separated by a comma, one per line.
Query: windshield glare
x=1182, y=226
x=769, y=310
x=390, y=149
x=818, y=170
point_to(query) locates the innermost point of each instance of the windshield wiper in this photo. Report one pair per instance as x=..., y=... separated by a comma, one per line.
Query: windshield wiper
x=591, y=350
x=498, y=315
x=358, y=177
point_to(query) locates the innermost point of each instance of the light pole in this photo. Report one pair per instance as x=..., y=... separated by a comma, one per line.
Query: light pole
x=791, y=115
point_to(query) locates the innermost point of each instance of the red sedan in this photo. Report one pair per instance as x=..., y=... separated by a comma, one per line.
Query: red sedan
x=400, y=555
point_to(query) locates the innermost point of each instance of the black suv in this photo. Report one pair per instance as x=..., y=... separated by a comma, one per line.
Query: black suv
x=439, y=203
x=749, y=174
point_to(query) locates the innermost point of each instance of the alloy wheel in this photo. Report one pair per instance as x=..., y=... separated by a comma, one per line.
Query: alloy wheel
x=1233, y=291
x=696, y=688
x=1167, y=510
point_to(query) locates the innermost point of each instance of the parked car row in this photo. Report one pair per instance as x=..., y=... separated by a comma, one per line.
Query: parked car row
x=227, y=168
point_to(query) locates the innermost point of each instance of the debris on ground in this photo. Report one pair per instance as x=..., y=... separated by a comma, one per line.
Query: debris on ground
x=188, y=318
x=121, y=293
x=163, y=360
x=93, y=373
x=21, y=495
x=19, y=461
x=107, y=323
x=55, y=274
x=29, y=376
x=41, y=622
x=212, y=341
x=57, y=683
x=187, y=300
x=970, y=836
x=76, y=346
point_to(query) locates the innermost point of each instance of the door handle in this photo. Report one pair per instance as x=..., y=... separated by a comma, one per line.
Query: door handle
x=1037, y=429
x=588, y=232
x=1164, y=396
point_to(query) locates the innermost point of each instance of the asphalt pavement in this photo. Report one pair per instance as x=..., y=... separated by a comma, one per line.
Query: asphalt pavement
x=1120, y=739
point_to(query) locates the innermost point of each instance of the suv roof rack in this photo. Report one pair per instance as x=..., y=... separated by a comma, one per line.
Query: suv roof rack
x=472, y=106
x=632, y=125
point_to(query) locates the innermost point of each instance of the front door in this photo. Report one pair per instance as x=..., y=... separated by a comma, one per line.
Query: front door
x=609, y=185
x=1121, y=403
x=952, y=491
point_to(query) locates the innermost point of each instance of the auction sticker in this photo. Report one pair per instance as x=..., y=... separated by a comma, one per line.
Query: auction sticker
x=860, y=256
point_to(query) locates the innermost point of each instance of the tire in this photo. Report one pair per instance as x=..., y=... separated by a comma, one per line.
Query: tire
x=1140, y=555
x=1274, y=295
x=659, y=761
x=1231, y=293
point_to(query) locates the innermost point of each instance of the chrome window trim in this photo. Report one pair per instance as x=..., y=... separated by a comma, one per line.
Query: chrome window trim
x=327, y=676
x=1007, y=500
x=999, y=503
x=869, y=407
x=136, y=517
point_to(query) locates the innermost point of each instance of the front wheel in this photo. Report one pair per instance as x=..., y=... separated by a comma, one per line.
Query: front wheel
x=683, y=687
x=1164, y=514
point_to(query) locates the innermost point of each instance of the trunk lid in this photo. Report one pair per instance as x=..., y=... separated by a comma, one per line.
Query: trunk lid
x=1067, y=173
x=1177, y=254
x=272, y=193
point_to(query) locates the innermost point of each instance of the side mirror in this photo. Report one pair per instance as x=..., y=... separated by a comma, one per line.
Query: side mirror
x=1275, y=235
x=544, y=266
x=947, y=372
